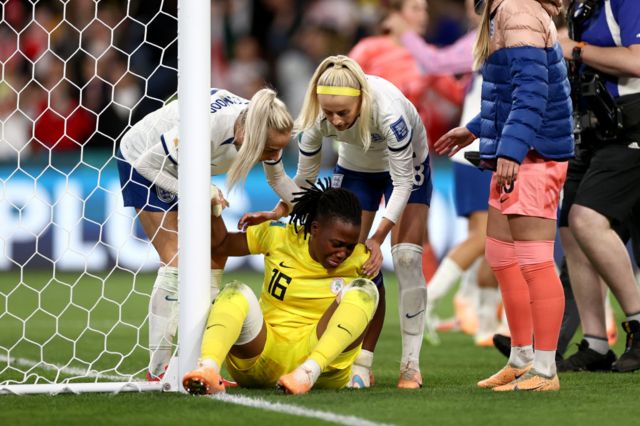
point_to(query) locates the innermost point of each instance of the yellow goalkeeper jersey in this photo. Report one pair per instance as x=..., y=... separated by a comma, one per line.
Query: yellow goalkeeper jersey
x=297, y=290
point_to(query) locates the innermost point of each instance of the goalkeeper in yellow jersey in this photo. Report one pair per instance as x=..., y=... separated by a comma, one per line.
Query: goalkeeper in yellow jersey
x=314, y=307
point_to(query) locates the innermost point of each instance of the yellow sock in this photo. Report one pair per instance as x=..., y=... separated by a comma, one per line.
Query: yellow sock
x=347, y=323
x=224, y=324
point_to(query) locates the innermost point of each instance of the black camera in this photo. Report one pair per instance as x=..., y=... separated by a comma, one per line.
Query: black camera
x=596, y=108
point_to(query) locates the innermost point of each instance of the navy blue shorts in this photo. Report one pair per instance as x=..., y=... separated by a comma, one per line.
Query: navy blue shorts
x=371, y=187
x=471, y=186
x=139, y=192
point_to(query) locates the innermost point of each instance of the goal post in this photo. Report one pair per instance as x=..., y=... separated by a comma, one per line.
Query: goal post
x=194, y=169
x=78, y=270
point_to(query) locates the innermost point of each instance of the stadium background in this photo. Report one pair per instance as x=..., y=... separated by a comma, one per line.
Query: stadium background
x=65, y=108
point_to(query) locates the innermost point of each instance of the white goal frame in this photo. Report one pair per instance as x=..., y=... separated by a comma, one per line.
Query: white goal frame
x=194, y=82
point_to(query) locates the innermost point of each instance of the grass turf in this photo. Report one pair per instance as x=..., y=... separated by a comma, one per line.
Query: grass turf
x=87, y=325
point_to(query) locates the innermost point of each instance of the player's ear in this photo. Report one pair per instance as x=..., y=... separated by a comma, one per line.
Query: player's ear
x=315, y=228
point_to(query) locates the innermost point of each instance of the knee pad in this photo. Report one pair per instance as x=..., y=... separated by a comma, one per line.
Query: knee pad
x=363, y=293
x=534, y=252
x=500, y=254
x=407, y=256
x=239, y=297
x=407, y=264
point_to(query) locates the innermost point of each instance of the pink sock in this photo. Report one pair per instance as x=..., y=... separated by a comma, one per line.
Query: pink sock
x=547, y=296
x=502, y=258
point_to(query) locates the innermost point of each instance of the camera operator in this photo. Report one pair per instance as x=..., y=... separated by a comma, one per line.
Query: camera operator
x=603, y=181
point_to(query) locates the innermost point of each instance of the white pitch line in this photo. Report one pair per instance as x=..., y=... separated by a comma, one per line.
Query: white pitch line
x=72, y=371
x=290, y=409
x=296, y=410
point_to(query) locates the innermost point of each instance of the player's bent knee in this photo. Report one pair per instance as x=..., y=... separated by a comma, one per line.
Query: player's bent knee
x=242, y=298
x=363, y=292
x=235, y=289
x=407, y=256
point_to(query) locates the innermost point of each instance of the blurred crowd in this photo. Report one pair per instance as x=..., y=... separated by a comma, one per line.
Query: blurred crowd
x=78, y=74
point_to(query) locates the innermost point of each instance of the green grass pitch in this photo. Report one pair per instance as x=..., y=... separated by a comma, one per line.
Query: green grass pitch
x=83, y=329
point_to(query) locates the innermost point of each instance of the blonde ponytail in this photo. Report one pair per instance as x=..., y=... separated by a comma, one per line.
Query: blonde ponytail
x=265, y=112
x=481, y=47
x=337, y=71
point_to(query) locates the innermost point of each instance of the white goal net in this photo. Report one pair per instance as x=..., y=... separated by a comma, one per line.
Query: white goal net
x=75, y=267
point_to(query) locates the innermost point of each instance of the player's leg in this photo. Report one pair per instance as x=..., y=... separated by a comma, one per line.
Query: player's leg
x=488, y=303
x=533, y=228
x=471, y=192
x=161, y=228
x=369, y=188
x=235, y=326
x=157, y=211
x=501, y=257
x=340, y=329
x=406, y=251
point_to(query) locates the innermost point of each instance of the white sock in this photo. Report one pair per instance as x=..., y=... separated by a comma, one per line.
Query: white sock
x=488, y=299
x=163, y=319
x=209, y=363
x=216, y=283
x=446, y=276
x=469, y=282
x=598, y=344
x=310, y=369
x=544, y=362
x=407, y=263
x=361, y=370
x=521, y=356
x=365, y=358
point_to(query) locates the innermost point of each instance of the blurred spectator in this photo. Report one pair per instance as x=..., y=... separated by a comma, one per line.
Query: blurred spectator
x=120, y=62
x=247, y=70
x=438, y=98
x=14, y=126
x=62, y=124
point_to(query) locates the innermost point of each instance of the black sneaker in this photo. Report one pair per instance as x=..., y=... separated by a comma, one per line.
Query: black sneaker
x=502, y=344
x=587, y=359
x=630, y=359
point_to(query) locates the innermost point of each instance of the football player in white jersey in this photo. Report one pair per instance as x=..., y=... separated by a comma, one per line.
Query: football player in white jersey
x=476, y=315
x=382, y=152
x=242, y=133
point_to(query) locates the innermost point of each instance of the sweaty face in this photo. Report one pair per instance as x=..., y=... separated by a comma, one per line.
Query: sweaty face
x=341, y=111
x=332, y=241
x=416, y=15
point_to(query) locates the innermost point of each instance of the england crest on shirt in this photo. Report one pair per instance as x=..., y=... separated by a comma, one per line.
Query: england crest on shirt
x=164, y=195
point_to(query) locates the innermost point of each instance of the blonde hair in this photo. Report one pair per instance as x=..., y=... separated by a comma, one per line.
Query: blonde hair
x=481, y=47
x=337, y=71
x=265, y=111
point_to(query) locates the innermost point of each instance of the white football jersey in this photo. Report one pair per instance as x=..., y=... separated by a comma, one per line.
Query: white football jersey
x=151, y=146
x=398, y=144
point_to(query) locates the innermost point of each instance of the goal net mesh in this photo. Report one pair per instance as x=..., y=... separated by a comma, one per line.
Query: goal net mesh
x=75, y=268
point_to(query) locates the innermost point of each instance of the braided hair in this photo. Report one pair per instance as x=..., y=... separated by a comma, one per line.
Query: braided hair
x=321, y=201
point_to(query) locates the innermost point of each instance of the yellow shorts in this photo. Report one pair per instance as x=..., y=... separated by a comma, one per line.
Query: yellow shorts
x=281, y=356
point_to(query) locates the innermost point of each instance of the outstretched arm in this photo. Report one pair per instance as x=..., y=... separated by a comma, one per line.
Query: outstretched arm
x=225, y=243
